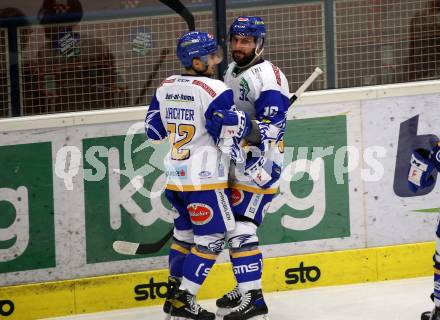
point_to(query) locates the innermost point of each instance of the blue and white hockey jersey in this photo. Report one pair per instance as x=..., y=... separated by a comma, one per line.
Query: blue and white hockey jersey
x=261, y=91
x=179, y=110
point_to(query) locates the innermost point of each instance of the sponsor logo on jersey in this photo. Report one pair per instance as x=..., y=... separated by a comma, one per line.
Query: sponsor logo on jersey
x=302, y=274
x=276, y=70
x=205, y=87
x=205, y=174
x=237, y=197
x=167, y=81
x=200, y=213
x=247, y=268
x=202, y=271
x=177, y=172
x=178, y=97
x=437, y=156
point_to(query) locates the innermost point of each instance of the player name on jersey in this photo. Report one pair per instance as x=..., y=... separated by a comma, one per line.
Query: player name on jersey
x=179, y=114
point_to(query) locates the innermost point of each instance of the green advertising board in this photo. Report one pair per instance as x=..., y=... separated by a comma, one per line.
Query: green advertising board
x=27, y=228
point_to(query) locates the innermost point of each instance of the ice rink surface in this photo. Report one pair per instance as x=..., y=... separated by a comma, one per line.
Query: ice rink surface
x=388, y=300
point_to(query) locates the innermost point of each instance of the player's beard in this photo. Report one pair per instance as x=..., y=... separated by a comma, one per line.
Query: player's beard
x=241, y=59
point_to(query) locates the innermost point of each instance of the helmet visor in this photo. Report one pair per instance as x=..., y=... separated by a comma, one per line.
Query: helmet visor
x=217, y=56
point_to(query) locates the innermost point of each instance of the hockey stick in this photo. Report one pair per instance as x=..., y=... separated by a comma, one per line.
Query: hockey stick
x=298, y=93
x=163, y=53
x=186, y=15
x=132, y=248
x=182, y=11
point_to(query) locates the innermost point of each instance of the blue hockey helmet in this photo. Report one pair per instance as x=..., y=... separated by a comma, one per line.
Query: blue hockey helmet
x=249, y=26
x=195, y=44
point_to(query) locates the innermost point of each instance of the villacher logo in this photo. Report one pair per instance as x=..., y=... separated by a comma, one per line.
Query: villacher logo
x=302, y=274
x=6, y=308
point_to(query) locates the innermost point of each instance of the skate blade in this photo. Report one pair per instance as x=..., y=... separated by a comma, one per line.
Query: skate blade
x=260, y=317
x=221, y=312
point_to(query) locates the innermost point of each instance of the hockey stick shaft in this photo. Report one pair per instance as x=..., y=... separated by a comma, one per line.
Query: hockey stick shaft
x=163, y=53
x=182, y=11
x=298, y=93
x=133, y=248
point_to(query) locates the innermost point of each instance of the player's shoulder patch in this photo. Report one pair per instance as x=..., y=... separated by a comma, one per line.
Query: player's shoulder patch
x=212, y=86
x=167, y=81
x=277, y=73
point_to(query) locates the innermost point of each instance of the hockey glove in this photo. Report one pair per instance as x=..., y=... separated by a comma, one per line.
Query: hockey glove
x=422, y=171
x=264, y=172
x=434, y=155
x=228, y=124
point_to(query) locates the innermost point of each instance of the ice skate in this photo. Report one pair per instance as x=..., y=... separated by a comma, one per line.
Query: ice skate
x=252, y=306
x=229, y=301
x=184, y=306
x=173, y=285
x=431, y=315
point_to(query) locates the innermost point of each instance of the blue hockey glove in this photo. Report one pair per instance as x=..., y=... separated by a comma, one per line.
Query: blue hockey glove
x=228, y=124
x=422, y=172
x=264, y=172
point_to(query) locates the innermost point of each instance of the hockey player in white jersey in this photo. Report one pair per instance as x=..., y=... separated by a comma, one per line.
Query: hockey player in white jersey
x=261, y=91
x=196, y=170
x=425, y=165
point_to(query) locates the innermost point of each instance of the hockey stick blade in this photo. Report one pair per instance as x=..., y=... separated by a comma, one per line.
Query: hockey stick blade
x=133, y=248
x=316, y=73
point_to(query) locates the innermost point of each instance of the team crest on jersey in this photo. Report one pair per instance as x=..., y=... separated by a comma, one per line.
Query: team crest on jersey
x=200, y=213
x=237, y=197
x=244, y=90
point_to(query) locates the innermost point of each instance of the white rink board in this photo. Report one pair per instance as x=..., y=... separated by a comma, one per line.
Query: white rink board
x=392, y=218
x=385, y=220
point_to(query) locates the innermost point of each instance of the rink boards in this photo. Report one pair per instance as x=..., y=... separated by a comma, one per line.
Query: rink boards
x=283, y=273
x=71, y=184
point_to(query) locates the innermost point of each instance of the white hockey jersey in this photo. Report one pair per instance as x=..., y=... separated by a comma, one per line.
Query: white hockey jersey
x=263, y=92
x=179, y=110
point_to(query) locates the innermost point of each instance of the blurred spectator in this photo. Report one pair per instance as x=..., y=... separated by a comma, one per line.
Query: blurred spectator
x=424, y=46
x=18, y=18
x=75, y=71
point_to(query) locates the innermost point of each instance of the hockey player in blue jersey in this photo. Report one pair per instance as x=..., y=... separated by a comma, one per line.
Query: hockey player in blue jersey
x=261, y=91
x=425, y=165
x=196, y=170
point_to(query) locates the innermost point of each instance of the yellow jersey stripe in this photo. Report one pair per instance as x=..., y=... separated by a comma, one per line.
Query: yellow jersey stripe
x=203, y=255
x=245, y=253
x=254, y=189
x=181, y=249
x=203, y=187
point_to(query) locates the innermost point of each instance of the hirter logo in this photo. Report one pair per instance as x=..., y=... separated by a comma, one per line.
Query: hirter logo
x=237, y=197
x=200, y=213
